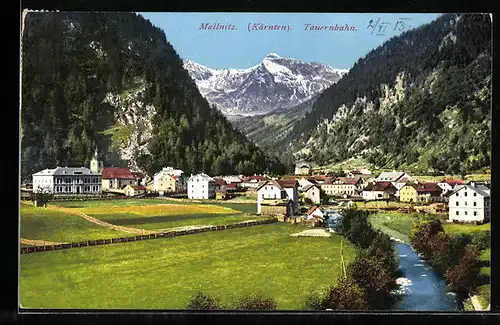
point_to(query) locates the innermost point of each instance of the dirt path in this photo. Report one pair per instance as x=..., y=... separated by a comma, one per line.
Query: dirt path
x=103, y=223
x=35, y=242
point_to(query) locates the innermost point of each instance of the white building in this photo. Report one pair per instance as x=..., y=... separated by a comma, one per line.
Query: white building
x=282, y=190
x=67, y=181
x=232, y=179
x=201, y=186
x=470, y=203
x=450, y=185
x=168, y=180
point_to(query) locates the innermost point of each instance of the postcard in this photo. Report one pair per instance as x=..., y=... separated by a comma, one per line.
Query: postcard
x=255, y=161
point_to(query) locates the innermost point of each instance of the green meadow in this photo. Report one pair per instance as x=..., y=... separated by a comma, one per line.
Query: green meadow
x=165, y=273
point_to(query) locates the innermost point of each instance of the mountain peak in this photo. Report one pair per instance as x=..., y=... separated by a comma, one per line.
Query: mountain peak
x=272, y=55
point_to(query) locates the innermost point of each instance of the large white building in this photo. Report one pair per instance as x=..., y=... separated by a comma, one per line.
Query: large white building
x=201, y=186
x=470, y=203
x=67, y=180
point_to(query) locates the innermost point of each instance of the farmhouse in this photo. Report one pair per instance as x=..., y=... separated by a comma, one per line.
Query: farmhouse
x=342, y=186
x=408, y=193
x=67, y=180
x=282, y=192
x=379, y=191
x=134, y=190
x=302, y=168
x=117, y=178
x=470, y=203
x=313, y=193
x=450, y=184
x=168, y=180
x=428, y=192
x=201, y=186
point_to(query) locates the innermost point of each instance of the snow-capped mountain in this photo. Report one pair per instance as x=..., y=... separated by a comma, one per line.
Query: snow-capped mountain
x=276, y=83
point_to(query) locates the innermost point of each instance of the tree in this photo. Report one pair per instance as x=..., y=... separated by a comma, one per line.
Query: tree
x=346, y=295
x=463, y=277
x=422, y=233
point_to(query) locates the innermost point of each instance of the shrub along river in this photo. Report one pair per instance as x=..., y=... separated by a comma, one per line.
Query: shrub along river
x=421, y=287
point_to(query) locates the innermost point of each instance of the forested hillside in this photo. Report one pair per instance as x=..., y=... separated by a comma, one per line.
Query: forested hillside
x=113, y=80
x=421, y=101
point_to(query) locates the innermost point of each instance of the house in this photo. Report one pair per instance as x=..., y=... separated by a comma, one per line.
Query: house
x=303, y=182
x=201, y=186
x=233, y=180
x=67, y=181
x=428, y=192
x=379, y=191
x=315, y=212
x=139, y=176
x=399, y=185
x=253, y=181
x=313, y=193
x=302, y=168
x=408, y=193
x=168, y=180
x=318, y=179
x=274, y=192
x=448, y=185
x=470, y=203
x=393, y=176
x=134, y=190
x=339, y=186
x=117, y=178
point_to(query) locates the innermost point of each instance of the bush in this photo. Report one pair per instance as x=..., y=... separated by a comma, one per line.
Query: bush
x=346, y=295
x=256, y=303
x=201, y=301
x=480, y=241
x=422, y=234
x=313, y=302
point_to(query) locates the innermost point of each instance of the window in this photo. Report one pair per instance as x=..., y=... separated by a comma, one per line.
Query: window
x=475, y=194
x=465, y=203
x=456, y=194
x=457, y=213
x=474, y=203
x=475, y=213
x=465, y=193
x=465, y=212
x=457, y=203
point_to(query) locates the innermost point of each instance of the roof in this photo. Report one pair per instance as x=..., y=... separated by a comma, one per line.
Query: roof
x=303, y=164
x=390, y=176
x=481, y=190
x=453, y=182
x=318, y=177
x=256, y=177
x=63, y=171
x=231, y=186
x=287, y=183
x=351, y=180
x=308, y=187
x=220, y=181
x=117, y=172
x=202, y=175
x=312, y=209
x=169, y=171
x=272, y=182
x=137, y=187
x=431, y=188
x=380, y=186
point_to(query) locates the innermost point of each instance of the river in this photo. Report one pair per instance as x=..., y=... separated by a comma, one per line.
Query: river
x=421, y=287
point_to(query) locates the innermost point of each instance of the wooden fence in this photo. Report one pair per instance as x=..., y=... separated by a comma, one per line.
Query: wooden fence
x=168, y=234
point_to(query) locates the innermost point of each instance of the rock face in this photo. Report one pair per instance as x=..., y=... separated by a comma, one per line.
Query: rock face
x=275, y=84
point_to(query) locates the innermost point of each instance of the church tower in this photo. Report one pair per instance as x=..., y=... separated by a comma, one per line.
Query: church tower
x=95, y=164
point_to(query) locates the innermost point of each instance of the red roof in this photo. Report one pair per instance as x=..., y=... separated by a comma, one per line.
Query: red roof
x=454, y=182
x=311, y=210
x=138, y=187
x=381, y=186
x=287, y=183
x=219, y=181
x=432, y=188
x=319, y=177
x=117, y=172
x=231, y=185
x=351, y=180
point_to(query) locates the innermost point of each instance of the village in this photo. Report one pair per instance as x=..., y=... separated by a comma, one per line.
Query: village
x=305, y=197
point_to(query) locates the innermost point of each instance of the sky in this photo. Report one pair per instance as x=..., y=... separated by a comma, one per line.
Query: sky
x=248, y=42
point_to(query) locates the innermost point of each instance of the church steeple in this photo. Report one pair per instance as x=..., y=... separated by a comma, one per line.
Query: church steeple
x=95, y=164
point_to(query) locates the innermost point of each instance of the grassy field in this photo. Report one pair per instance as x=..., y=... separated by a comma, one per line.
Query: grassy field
x=456, y=229
x=45, y=224
x=164, y=273
x=397, y=225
